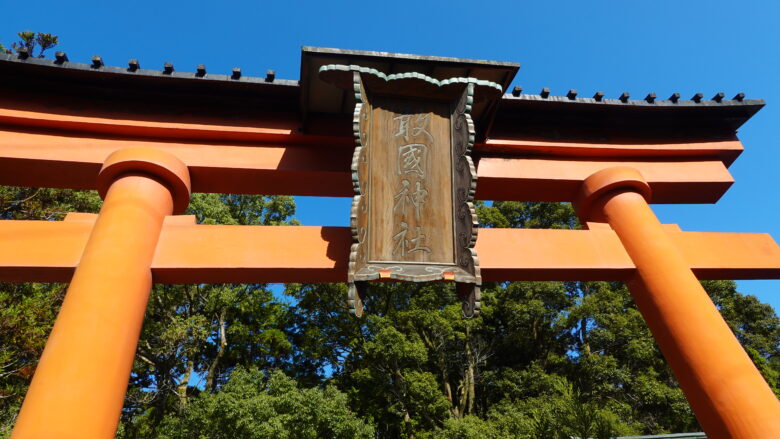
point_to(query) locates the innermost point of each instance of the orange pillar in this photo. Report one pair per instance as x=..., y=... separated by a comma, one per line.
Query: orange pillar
x=727, y=393
x=79, y=386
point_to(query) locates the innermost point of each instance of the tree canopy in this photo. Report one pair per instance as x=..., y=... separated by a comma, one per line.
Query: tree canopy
x=31, y=40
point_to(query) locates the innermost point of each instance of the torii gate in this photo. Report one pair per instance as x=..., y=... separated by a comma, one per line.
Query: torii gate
x=145, y=139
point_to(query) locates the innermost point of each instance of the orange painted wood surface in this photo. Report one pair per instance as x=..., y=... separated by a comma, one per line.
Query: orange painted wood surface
x=188, y=253
x=560, y=179
x=726, y=150
x=65, y=160
x=58, y=159
x=113, y=121
x=285, y=129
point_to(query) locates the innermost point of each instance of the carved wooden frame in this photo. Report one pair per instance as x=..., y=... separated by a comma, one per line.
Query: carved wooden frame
x=459, y=93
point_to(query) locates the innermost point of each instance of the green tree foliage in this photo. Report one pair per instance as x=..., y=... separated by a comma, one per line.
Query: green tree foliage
x=24, y=203
x=32, y=40
x=252, y=407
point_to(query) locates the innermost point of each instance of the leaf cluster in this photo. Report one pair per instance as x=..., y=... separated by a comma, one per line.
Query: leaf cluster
x=253, y=407
x=32, y=40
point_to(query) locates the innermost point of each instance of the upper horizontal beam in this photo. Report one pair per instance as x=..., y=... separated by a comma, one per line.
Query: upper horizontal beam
x=278, y=129
x=63, y=159
x=48, y=251
x=281, y=130
x=67, y=161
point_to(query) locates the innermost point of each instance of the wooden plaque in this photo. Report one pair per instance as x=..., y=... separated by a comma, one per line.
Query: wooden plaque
x=413, y=216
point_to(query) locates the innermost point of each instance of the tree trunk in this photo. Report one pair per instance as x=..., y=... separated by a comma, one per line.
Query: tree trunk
x=584, y=336
x=184, y=384
x=463, y=388
x=471, y=391
x=408, y=425
x=220, y=351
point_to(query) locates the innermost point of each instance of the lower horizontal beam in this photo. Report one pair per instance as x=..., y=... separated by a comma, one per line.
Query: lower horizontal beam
x=48, y=251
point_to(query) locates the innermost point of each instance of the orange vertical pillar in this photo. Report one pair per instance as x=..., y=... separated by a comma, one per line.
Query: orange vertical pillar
x=79, y=386
x=727, y=393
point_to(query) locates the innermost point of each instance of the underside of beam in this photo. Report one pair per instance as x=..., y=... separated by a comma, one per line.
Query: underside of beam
x=48, y=251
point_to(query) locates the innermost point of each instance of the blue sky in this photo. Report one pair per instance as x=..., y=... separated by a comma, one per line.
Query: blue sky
x=637, y=46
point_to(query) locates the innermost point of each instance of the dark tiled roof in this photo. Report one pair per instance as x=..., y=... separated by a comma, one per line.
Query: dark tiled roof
x=540, y=115
x=649, y=101
x=167, y=70
x=133, y=68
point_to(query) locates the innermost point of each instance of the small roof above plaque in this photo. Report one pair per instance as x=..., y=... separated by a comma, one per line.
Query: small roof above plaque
x=317, y=96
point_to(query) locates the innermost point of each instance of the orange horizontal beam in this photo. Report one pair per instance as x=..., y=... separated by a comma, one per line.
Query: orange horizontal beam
x=725, y=150
x=560, y=179
x=42, y=251
x=278, y=128
x=64, y=160
x=285, y=129
x=188, y=253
